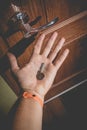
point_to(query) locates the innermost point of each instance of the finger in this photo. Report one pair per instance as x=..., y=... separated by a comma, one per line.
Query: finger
x=56, y=50
x=50, y=44
x=13, y=62
x=60, y=61
x=38, y=45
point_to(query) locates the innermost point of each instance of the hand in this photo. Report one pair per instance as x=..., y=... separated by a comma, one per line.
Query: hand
x=27, y=75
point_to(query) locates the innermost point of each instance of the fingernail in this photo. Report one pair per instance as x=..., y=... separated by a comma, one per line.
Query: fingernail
x=55, y=33
x=43, y=35
x=67, y=51
x=63, y=39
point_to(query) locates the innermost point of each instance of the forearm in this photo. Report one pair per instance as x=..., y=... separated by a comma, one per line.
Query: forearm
x=38, y=76
x=28, y=115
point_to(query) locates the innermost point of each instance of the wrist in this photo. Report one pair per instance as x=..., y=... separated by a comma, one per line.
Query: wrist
x=41, y=91
x=34, y=96
x=35, y=92
x=38, y=90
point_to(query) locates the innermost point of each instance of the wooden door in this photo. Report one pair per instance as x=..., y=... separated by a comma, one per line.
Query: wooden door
x=73, y=26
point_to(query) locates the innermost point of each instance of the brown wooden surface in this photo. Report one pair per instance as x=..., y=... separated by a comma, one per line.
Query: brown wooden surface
x=64, y=9
x=3, y=47
x=78, y=49
x=66, y=84
x=35, y=8
x=13, y=39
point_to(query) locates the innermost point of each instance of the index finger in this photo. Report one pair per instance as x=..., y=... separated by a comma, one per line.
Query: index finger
x=39, y=43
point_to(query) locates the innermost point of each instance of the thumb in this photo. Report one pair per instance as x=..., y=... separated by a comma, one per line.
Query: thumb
x=13, y=62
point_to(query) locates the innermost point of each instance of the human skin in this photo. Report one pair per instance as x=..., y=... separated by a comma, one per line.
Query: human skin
x=29, y=112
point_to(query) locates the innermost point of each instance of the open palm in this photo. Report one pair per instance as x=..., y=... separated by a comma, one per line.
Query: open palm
x=27, y=75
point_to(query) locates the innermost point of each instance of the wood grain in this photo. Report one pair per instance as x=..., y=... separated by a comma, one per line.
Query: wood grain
x=71, y=32
x=13, y=39
x=34, y=8
x=64, y=9
x=3, y=47
x=66, y=22
x=66, y=84
x=76, y=60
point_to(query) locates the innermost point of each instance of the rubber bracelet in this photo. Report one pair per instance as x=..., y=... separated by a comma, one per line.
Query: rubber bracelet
x=33, y=96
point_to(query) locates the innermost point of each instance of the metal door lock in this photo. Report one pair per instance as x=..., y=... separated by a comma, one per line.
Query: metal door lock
x=20, y=21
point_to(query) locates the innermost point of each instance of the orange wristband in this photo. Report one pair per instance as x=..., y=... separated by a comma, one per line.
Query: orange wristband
x=33, y=96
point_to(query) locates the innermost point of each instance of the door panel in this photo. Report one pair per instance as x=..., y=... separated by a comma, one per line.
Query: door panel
x=34, y=8
x=3, y=47
x=72, y=31
x=64, y=8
